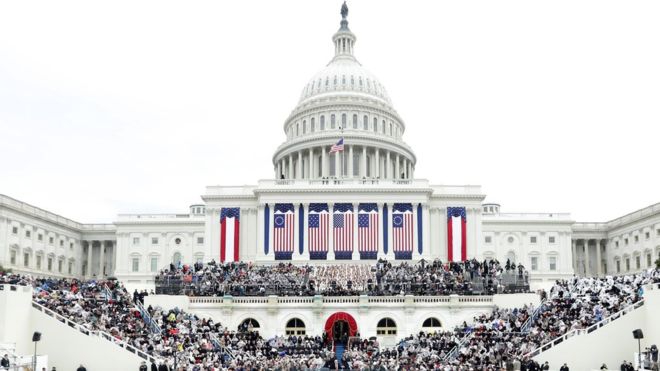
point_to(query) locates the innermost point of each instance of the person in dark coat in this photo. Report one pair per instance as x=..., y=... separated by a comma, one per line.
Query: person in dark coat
x=81, y=368
x=143, y=366
x=564, y=367
x=162, y=367
x=153, y=366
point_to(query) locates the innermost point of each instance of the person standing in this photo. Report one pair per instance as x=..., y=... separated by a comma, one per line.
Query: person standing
x=143, y=366
x=564, y=367
x=4, y=363
x=81, y=368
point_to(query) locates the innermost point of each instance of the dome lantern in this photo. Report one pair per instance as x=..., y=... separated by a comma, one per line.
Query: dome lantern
x=344, y=39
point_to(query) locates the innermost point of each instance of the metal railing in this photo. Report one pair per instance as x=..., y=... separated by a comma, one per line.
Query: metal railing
x=588, y=330
x=454, y=351
x=528, y=323
x=97, y=333
x=146, y=317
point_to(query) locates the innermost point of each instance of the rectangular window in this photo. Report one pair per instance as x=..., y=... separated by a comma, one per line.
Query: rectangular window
x=14, y=230
x=535, y=263
x=61, y=243
x=71, y=245
x=489, y=239
x=552, y=239
x=636, y=238
x=59, y=265
x=50, y=240
x=625, y=241
x=154, y=240
x=136, y=265
x=647, y=235
x=638, y=262
x=136, y=240
x=154, y=265
x=28, y=234
x=616, y=244
x=200, y=240
x=50, y=264
x=618, y=266
x=648, y=260
x=38, y=261
x=552, y=263
x=627, y=264
x=40, y=237
x=26, y=259
x=532, y=239
x=70, y=268
x=12, y=258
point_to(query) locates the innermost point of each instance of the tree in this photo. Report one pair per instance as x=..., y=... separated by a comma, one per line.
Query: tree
x=657, y=263
x=4, y=270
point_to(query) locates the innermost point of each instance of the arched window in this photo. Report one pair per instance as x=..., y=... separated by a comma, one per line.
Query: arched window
x=343, y=79
x=297, y=129
x=322, y=123
x=176, y=259
x=313, y=125
x=375, y=123
x=365, y=122
x=431, y=323
x=304, y=126
x=390, y=128
x=382, y=128
x=343, y=120
x=355, y=121
x=295, y=326
x=249, y=324
x=386, y=326
x=332, y=121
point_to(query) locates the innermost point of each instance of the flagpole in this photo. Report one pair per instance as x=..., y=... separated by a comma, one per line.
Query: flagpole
x=341, y=167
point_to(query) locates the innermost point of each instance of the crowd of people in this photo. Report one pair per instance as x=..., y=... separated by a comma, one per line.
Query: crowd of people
x=382, y=278
x=493, y=341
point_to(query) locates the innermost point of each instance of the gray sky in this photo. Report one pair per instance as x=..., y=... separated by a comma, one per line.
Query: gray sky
x=136, y=106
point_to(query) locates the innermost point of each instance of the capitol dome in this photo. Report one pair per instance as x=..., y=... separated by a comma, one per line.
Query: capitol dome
x=344, y=76
x=345, y=104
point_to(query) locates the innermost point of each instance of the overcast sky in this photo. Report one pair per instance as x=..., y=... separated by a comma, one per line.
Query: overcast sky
x=136, y=106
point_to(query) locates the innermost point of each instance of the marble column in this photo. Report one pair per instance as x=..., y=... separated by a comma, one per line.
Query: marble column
x=397, y=174
x=598, y=258
x=388, y=170
x=350, y=161
x=290, y=166
x=90, y=246
x=323, y=163
x=363, y=166
x=101, y=259
x=587, y=271
x=310, y=174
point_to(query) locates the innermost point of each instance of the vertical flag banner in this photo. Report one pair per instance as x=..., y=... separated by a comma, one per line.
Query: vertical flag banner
x=402, y=231
x=283, y=231
x=368, y=230
x=266, y=229
x=318, y=229
x=420, y=234
x=229, y=234
x=342, y=229
x=456, y=234
x=301, y=229
x=385, y=228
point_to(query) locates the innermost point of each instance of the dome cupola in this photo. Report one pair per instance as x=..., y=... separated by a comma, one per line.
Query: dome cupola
x=344, y=100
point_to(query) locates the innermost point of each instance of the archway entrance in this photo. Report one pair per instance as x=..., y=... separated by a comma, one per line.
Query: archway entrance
x=339, y=327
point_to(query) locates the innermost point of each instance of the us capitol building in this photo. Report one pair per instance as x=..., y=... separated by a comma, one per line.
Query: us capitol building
x=343, y=190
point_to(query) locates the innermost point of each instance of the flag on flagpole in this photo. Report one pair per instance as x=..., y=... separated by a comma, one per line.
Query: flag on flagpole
x=337, y=147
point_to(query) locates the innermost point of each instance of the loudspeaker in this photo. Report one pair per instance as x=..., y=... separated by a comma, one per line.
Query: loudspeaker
x=36, y=336
x=638, y=334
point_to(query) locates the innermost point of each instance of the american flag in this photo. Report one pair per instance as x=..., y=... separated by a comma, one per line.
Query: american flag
x=368, y=232
x=402, y=226
x=342, y=226
x=337, y=147
x=317, y=232
x=283, y=234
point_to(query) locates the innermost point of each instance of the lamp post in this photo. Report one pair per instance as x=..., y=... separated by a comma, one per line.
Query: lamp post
x=36, y=337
